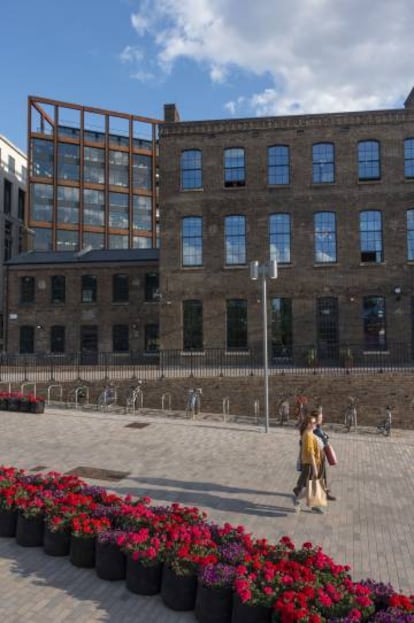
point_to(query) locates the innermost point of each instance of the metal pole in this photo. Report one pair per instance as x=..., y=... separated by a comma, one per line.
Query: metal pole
x=265, y=366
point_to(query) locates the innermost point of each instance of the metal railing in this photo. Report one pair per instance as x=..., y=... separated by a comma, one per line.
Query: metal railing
x=304, y=360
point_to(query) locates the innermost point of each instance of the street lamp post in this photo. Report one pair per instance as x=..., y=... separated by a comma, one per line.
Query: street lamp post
x=265, y=270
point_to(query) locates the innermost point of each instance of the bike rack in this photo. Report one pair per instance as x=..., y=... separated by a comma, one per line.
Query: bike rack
x=8, y=383
x=256, y=408
x=49, y=391
x=166, y=398
x=81, y=388
x=24, y=385
x=226, y=407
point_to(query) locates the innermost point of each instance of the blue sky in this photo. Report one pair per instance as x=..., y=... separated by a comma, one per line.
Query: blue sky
x=213, y=58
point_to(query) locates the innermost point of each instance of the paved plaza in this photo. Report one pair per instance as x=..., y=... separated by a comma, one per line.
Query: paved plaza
x=235, y=472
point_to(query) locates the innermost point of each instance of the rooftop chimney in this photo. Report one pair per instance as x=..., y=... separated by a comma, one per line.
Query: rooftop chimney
x=171, y=114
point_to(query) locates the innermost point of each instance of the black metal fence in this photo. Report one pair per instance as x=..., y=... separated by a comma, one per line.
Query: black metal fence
x=308, y=359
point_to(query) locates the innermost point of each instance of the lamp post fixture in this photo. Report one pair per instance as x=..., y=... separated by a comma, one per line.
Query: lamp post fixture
x=265, y=270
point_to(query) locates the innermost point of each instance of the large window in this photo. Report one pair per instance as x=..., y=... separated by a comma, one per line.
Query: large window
x=142, y=213
x=236, y=324
x=89, y=289
x=192, y=241
x=68, y=205
x=89, y=344
x=279, y=237
x=118, y=211
x=235, y=240
x=281, y=327
x=93, y=239
x=120, y=288
x=67, y=240
x=42, y=158
x=42, y=239
x=8, y=240
x=191, y=169
x=93, y=207
x=192, y=325
x=409, y=158
x=26, y=339
x=27, y=289
x=323, y=163
x=142, y=171
x=118, y=168
x=118, y=241
x=152, y=284
x=94, y=165
x=120, y=338
x=7, y=196
x=68, y=161
x=374, y=323
x=234, y=167
x=20, y=204
x=42, y=202
x=410, y=235
x=57, y=339
x=371, y=236
x=369, y=160
x=327, y=328
x=57, y=289
x=278, y=165
x=152, y=338
x=325, y=237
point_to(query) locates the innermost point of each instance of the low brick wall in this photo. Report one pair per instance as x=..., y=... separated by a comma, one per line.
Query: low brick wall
x=373, y=392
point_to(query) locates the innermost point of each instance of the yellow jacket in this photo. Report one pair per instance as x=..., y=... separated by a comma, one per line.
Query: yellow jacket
x=310, y=448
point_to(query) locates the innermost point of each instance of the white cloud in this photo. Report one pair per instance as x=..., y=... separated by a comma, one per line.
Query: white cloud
x=131, y=54
x=318, y=55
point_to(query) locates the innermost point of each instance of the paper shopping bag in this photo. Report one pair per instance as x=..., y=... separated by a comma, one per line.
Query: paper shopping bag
x=315, y=493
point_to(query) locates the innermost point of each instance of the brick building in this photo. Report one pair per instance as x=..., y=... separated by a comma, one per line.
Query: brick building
x=329, y=196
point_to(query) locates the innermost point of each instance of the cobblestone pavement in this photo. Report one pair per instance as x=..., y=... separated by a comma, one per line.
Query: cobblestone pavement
x=235, y=472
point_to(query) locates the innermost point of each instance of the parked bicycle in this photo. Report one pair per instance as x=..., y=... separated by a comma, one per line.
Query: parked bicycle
x=134, y=397
x=351, y=415
x=384, y=426
x=108, y=398
x=193, y=402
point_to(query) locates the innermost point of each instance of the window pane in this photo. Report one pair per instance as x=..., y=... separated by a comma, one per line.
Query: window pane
x=235, y=239
x=410, y=234
x=409, y=157
x=93, y=207
x=42, y=158
x=152, y=338
x=120, y=289
x=142, y=171
x=89, y=288
x=278, y=164
x=42, y=239
x=27, y=289
x=191, y=171
x=152, y=284
x=142, y=213
x=368, y=160
x=118, y=168
x=68, y=205
x=57, y=339
x=67, y=240
x=120, y=338
x=118, y=211
x=325, y=237
x=68, y=161
x=279, y=236
x=94, y=165
x=139, y=242
x=118, y=242
x=234, y=168
x=192, y=241
x=57, y=287
x=323, y=163
x=281, y=328
x=236, y=323
x=371, y=236
x=374, y=323
x=42, y=202
x=26, y=339
x=94, y=240
x=192, y=325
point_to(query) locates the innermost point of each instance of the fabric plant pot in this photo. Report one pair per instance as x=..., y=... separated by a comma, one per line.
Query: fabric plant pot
x=213, y=605
x=8, y=522
x=142, y=579
x=14, y=404
x=178, y=592
x=110, y=562
x=56, y=543
x=29, y=531
x=25, y=406
x=243, y=613
x=4, y=404
x=82, y=551
x=37, y=407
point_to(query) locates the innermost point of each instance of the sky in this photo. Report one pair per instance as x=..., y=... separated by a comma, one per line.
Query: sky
x=213, y=58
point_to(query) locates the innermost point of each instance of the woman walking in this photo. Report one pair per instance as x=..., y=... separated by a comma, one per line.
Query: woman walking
x=311, y=458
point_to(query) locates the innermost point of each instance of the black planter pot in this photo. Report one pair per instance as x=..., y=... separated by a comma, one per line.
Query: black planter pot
x=37, y=407
x=213, y=605
x=4, y=404
x=178, y=592
x=141, y=579
x=110, y=562
x=56, y=543
x=82, y=551
x=14, y=404
x=25, y=406
x=29, y=531
x=243, y=613
x=8, y=521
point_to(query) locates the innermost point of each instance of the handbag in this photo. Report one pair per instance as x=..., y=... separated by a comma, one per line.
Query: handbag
x=315, y=493
x=330, y=454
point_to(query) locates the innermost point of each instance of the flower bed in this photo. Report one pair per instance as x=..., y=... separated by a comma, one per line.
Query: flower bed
x=279, y=582
x=17, y=401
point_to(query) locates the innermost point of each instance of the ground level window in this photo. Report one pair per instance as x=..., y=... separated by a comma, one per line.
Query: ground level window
x=374, y=323
x=120, y=338
x=281, y=327
x=152, y=339
x=26, y=339
x=237, y=324
x=57, y=339
x=192, y=325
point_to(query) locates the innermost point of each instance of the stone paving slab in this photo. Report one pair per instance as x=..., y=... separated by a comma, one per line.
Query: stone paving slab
x=235, y=472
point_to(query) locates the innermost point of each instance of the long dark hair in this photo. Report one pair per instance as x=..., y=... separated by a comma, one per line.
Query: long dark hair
x=313, y=415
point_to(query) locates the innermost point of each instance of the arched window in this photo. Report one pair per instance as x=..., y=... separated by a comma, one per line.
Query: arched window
x=323, y=163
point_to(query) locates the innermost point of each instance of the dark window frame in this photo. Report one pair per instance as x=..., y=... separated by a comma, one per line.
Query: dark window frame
x=234, y=167
x=236, y=325
x=191, y=169
x=236, y=236
x=323, y=163
x=325, y=239
x=26, y=339
x=120, y=288
x=57, y=339
x=369, y=160
x=57, y=289
x=89, y=288
x=375, y=328
x=371, y=238
x=192, y=238
x=192, y=310
x=278, y=165
x=27, y=290
x=279, y=233
x=120, y=338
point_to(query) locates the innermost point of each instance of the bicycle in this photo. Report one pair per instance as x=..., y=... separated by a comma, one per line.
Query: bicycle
x=384, y=427
x=107, y=398
x=283, y=412
x=134, y=397
x=351, y=415
x=193, y=402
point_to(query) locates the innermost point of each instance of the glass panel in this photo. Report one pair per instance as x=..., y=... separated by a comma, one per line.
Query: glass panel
x=93, y=207
x=192, y=325
x=236, y=323
x=191, y=169
x=42, y=240
x=235, y=240
x=325, y=237
x=142, y=213
x=42, y=158
x=89, y=287
x=68, y=205
x=327, y=327
x=120, y=289
x=374, y=323
x=409, y=157
x=26, y=340
x=68, y=161
x=57, y=339
x=57, y=288
x=192, y=241
x=118, y=168
x=152, y=338
x=323, y=163
x=410, y=234
x=27, y=289
x=234, y=174
x=281, y=328
x=94, y=165
x=279, y=234
x=42, y=202
x=118, y=211
x=142, y=172
x=67, y=240
x=368, y=160
x=278, y=164
x=118, y=241
x=93, y=239
x=152, y=284
x=371, y=236
x=139, y=242
x=120, y=338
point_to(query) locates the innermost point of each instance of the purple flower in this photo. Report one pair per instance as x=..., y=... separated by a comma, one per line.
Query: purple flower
x=393, y=615
x=95, y=492
x=110, y=536
x=380, y=592
x=217, y=575
x=231, y=553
